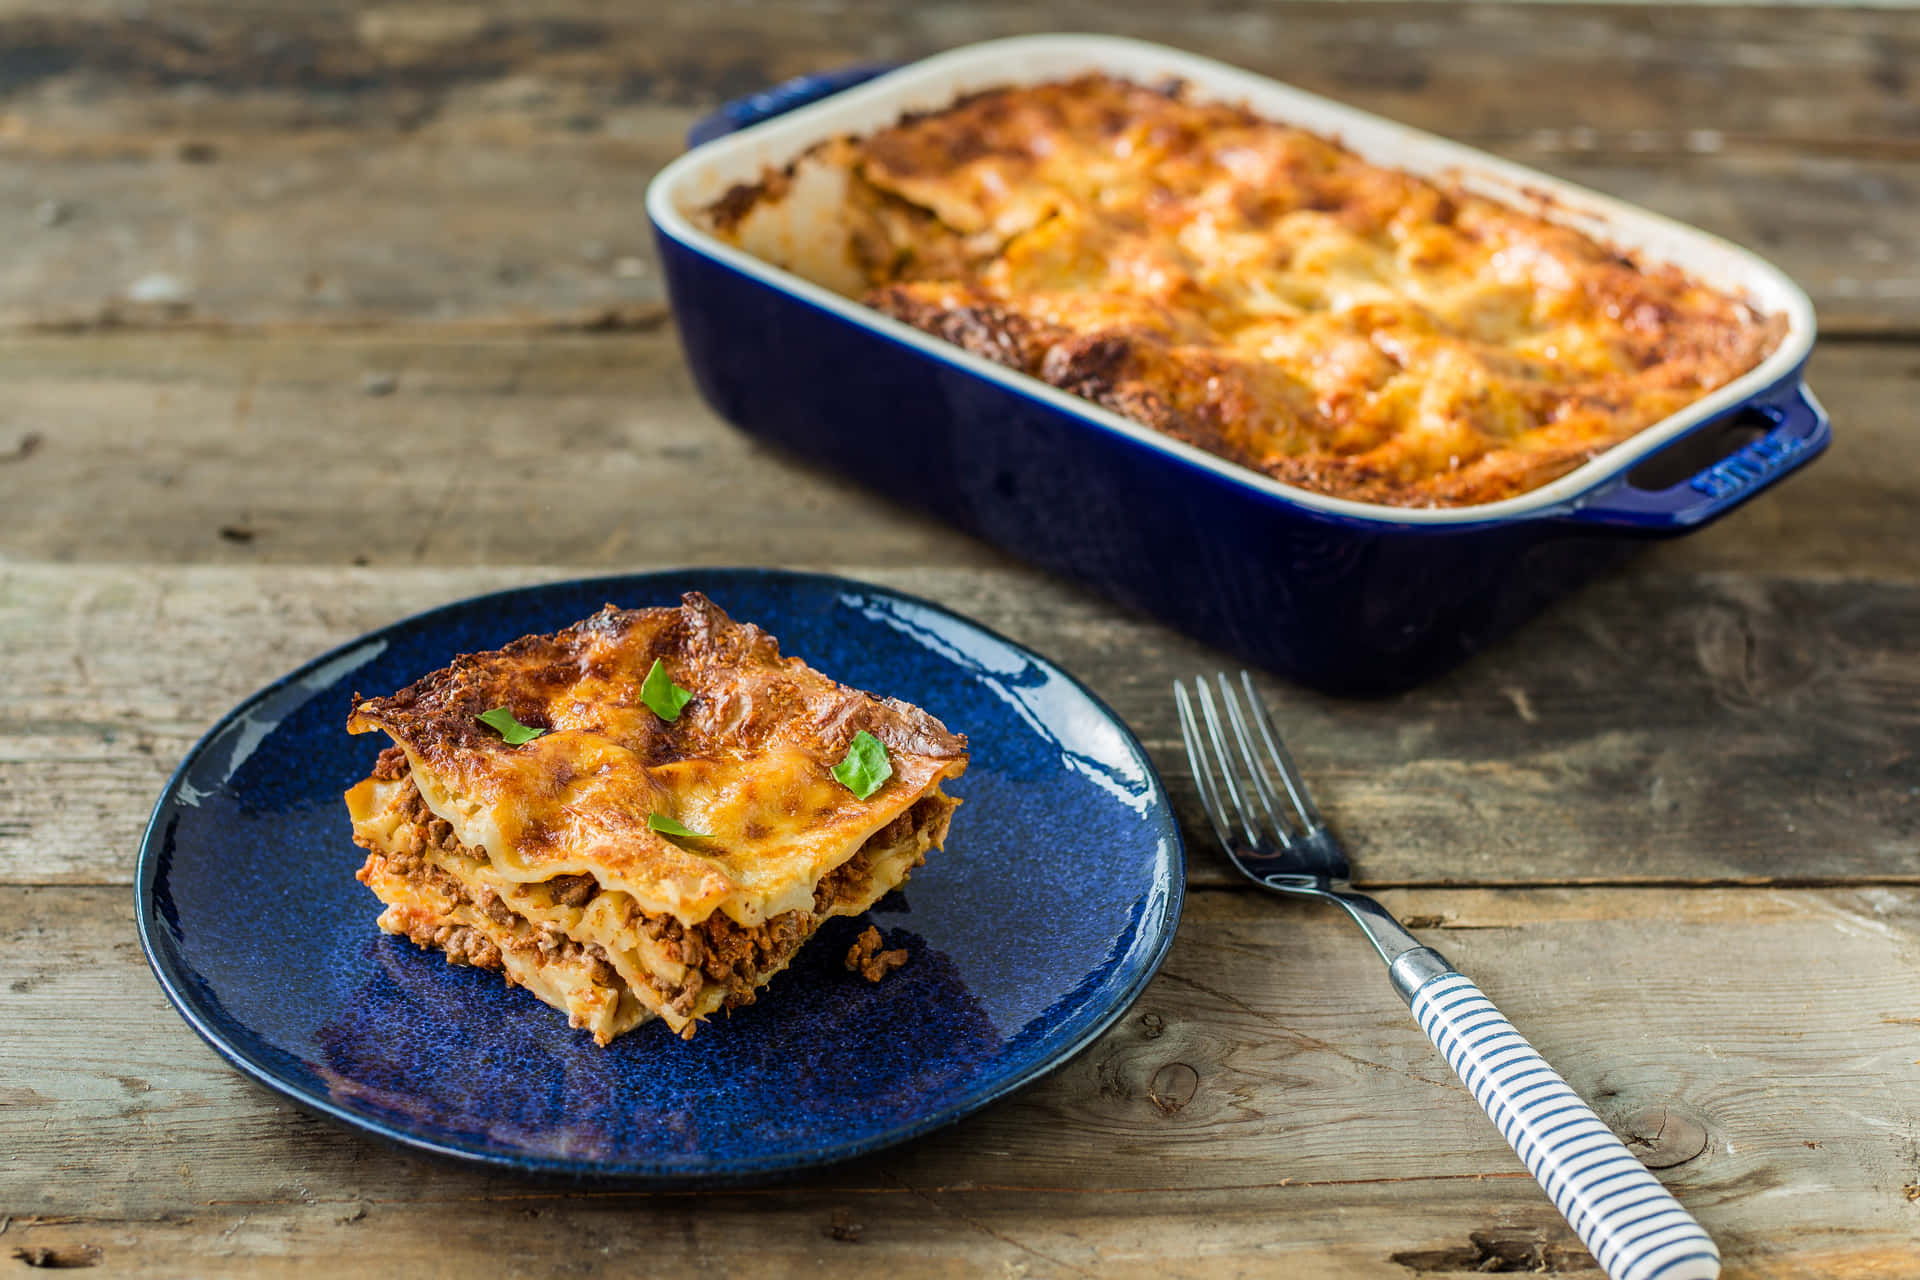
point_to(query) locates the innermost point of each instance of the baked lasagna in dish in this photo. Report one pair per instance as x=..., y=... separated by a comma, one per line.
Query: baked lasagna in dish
x=646, y=814
x=1252, y=289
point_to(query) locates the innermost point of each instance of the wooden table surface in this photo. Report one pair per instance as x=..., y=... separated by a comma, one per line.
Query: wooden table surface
x=317, y=314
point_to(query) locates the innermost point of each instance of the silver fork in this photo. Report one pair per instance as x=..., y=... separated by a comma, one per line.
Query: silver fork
x=1632, y=1225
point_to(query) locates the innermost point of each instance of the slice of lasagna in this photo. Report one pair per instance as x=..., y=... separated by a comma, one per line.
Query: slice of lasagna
x=690, y=809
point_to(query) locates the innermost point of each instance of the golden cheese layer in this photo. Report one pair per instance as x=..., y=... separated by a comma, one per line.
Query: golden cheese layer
x=1266, y=295
x=588, y=950
x=748, y=762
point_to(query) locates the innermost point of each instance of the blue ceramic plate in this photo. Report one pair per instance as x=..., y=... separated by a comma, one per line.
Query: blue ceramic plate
x=1051, y=908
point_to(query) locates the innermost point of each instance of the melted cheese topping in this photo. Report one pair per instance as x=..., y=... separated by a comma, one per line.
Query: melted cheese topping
x=748, y=762
x=1266, y=295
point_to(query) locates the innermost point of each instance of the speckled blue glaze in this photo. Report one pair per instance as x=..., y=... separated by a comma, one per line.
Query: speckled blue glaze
x=256, y=928
x=1347, y=604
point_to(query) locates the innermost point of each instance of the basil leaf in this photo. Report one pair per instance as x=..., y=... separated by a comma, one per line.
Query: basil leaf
x=866, y=768
x=667, y=826
x=663, y=697
x=502, y=722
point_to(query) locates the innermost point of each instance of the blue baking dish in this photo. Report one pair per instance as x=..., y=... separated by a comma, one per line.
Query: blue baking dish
x=1341, y=595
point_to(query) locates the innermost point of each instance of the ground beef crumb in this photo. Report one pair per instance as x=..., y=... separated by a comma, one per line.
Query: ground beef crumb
x=466, y=946
x=846, y=884
x=865, y=958
x=392, y=764
x=495, y=909
x=574, y=891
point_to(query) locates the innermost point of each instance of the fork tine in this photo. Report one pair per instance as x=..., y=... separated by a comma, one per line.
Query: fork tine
x=1211, y=717
x=1269, y=798
x=1203, y=773
x=1302, y=800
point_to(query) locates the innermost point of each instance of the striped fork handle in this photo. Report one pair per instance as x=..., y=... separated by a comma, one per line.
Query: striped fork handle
x=1632, y=1225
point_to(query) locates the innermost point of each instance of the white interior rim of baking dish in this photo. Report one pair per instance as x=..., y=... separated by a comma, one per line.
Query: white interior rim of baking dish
x=697, y=179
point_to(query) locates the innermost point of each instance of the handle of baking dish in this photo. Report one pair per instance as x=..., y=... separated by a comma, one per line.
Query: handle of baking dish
x=1799, y=432
x=780, y=99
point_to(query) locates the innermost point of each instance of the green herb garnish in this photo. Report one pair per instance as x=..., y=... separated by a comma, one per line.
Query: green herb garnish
x=501, y=721
x=866, y=768
x=667, y=826
x=663, y=697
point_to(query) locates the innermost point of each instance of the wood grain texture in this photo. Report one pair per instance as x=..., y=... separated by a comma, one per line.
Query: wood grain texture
x=497, y=155
x=1480, y=68
x=497, y=451
x=1688, y=728
x=1268, y=1103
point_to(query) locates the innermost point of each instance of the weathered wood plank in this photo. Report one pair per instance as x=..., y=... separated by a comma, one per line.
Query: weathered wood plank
x=920, y=1231
x=1268, y=1077
x=513, y=450
x=573, y=65
x=1658, y=727
x=497, y=157
x=525, y=232
x=594, y=450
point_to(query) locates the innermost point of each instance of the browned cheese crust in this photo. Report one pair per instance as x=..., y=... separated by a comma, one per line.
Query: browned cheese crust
x=748, y=762
x=1265, y=295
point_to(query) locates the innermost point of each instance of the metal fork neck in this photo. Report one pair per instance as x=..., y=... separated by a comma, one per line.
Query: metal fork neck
x=1386, y=934
x=1410, y=964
